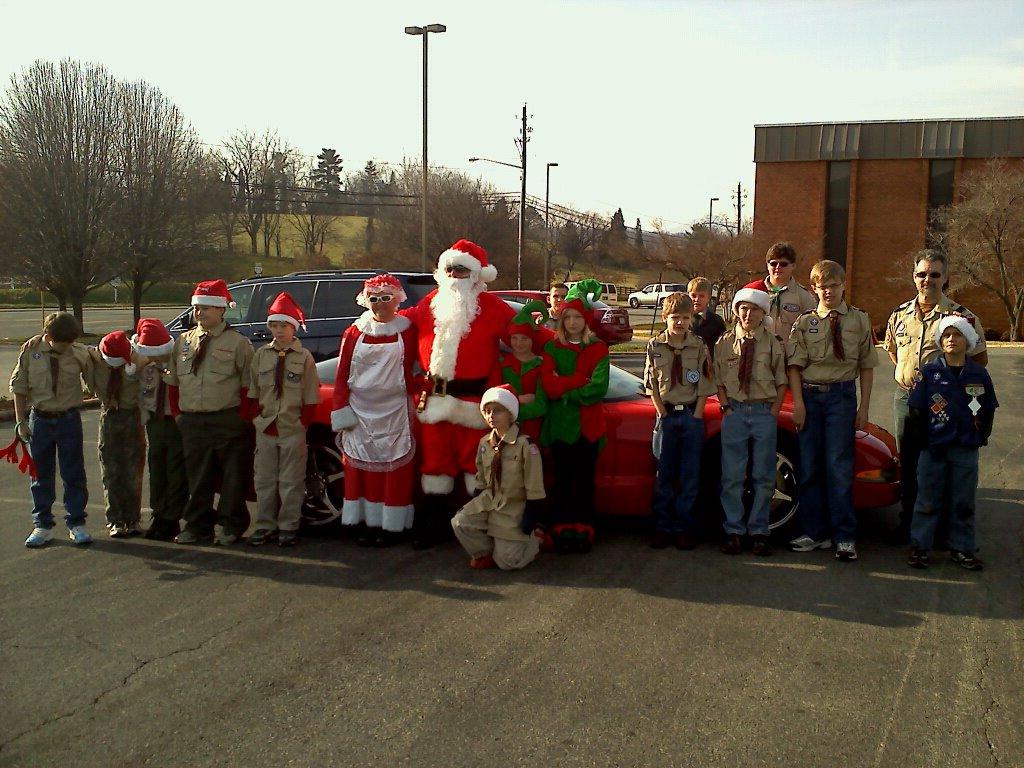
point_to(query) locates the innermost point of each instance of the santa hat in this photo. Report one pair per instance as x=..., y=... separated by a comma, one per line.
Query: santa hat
x=384, y=283
x=752, y=296
x=212, y=293
x=471, y=256
x=962, y=324
x=151, y=338
x=116, y=349
x=285, y=309
x=503, y=396
x=529, y=319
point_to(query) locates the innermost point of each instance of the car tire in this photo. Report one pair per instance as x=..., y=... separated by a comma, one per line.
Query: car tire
x=325, y=486
x=634, y=303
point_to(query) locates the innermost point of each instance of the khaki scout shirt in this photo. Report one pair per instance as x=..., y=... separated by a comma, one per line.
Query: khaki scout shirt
x=127, y=398
x=788, y=304
x=522, y=479
x=32, y=375
x=911, y=336
x=300, y=386
x=810, y=345
x=222, y=373
x=149, y=386
x=696, y=362
x=769, y=370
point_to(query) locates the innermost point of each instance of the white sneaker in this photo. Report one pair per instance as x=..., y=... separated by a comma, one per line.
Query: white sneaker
x=846, y=550
x=79, y=536
x=806, y=544
x=38, y=537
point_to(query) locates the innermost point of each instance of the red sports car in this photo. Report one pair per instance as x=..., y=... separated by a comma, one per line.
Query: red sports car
x=626, y=468
x=612, y=323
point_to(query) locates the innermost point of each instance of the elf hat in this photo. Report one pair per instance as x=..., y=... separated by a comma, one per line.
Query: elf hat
x=962, y=324
x=380, y=284
x=752, y=296
x=212, y=293
x=503, y=396
x=529, y=319
x=151, y=338
x=116, y=349
x=581, y=297
x=285, y=309
x=468, y=254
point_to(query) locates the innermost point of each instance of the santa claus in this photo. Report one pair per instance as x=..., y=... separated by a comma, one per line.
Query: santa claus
x=459, y=328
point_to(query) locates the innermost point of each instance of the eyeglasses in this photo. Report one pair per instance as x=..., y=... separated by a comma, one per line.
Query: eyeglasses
x=923, y=275
x=383, y=299
x=779, y=264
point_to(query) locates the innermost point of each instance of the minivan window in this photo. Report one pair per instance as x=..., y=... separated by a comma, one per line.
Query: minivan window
x=337, y=298
x=301, y=291
x=242, y=296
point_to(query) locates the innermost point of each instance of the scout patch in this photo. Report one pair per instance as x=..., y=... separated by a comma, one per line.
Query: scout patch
x=693, y=376
x=975, y=391
x=533, y=450
x=939, y=403
x=814, y=321
x=37, y=356
x=292, y=376
x=813, y=330
x=791, y=307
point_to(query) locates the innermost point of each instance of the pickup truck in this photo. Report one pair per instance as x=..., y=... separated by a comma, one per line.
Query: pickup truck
x=654, y=294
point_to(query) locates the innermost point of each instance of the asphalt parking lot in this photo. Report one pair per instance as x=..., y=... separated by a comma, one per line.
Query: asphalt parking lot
x=131, y=653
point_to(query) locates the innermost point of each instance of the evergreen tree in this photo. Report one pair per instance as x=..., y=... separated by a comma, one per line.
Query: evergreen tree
x=638, y=237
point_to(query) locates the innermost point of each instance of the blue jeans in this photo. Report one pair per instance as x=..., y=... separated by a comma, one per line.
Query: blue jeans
x=826, y=463
x=748, y=427
x=53, y=439
x=947, y=481
x=675, y=490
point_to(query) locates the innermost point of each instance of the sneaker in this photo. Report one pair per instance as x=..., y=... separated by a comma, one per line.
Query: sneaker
x=134, y=529
x=191, y=537
x=38, y=537
x=79, y=536
x=761, y=547
x=806, y=544
x=846, y=550
x=223, y=538
x=287, y=538
x=966, y=560
x=119, y=530
x=262, y=536
x=918, y=558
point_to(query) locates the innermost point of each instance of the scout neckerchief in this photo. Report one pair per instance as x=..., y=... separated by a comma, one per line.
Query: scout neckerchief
x=200, y=353
x=495, y=478
x=837, y=335
x=54, y=371
x=748, y=346
x=775, y=294
x=279, y=372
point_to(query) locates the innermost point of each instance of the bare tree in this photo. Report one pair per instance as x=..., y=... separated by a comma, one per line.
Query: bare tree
x=580, y=239
x=59, y=175
x=983, y=234
x=160, y=219
x=312, y=208
x=253, y=165
x=720, y=257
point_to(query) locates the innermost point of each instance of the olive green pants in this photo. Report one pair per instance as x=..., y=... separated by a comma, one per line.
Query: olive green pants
x=122, y=455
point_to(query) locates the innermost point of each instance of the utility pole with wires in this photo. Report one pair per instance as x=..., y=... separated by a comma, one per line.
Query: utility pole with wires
x=521, y=142
x=739, y=195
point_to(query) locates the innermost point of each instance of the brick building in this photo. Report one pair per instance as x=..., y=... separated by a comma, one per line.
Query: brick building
x=861, y=194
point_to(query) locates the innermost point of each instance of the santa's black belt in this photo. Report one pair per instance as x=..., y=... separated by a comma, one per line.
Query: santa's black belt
x=456, y=387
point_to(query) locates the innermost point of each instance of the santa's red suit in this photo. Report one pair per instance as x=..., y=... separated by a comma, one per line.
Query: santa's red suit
x=372, y=412
x=459, y=350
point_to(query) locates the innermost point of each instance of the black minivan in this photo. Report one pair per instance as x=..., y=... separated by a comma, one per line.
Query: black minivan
x=328, y=297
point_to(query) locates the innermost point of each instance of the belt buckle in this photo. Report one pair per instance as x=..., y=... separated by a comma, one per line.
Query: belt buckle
x=440, y=386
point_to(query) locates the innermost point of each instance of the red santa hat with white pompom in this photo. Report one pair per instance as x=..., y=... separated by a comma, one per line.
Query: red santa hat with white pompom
x=473, y=257
x=212, y=293
x=285, y=309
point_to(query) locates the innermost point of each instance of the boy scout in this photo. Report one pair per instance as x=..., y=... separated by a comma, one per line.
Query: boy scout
x=788, y=299
x=830, y=348
x=48, y=379
x=168, y=484
x=677, y=374
x=287, y=390
x=910, y=342
x=707, y=323
x=210, y=368
x=121, y=444
x=750, y=372
x=499, y=527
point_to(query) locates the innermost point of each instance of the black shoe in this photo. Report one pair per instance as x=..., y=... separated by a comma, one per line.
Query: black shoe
x=661, y=540
x=365, y=538
x=761, y=546
x=386, y=539
x=287, y=538
x=733, y=545
x=686, y=541
x=918, y=558
x=262, y=536
x=157, y=532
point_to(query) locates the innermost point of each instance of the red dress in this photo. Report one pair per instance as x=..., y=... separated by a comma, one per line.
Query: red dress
x=373, y=414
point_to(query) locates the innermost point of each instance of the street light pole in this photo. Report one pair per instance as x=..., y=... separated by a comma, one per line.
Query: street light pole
x=711, y=208
x=547, y=222
x=425, y=32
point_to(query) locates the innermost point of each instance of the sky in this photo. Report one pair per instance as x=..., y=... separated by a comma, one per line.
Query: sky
x=648, y=106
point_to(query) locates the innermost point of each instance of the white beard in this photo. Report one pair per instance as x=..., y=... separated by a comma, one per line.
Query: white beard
x=454, y=307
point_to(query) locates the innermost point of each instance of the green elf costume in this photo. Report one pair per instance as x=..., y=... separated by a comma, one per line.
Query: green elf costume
x=524, y=376
x=574, y=376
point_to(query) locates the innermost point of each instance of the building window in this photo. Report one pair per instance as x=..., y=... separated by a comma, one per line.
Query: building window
x=941, y=175
x=837, y=215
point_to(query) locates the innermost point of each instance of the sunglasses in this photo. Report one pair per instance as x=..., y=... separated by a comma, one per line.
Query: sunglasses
x=923, y=275
x=383, y=299
x=779, y=264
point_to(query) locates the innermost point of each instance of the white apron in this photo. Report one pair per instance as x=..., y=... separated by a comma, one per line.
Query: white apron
x=378, y=397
